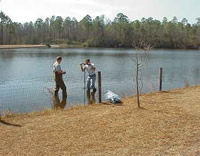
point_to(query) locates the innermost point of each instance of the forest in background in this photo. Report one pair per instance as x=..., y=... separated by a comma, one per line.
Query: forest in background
x=102, y=32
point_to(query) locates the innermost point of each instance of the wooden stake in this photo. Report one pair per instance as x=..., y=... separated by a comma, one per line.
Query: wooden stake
x=99, y=85
x=160, y=79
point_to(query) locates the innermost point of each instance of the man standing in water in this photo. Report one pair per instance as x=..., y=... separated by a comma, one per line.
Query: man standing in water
x=58, y=73
x=90, y=68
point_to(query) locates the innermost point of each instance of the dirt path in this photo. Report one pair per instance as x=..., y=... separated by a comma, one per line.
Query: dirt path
x=168, y=124
x=20, y=46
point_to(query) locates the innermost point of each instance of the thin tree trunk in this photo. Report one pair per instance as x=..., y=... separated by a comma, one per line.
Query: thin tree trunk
x=137, y=82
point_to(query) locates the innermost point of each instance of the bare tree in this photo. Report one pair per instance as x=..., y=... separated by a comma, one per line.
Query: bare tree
x=140, y=60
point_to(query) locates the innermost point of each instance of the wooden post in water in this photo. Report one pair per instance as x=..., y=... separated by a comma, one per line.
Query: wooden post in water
x=99, y=85
x=160, y=79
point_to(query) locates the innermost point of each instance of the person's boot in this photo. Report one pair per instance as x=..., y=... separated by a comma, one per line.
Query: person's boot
x=63, y=103
x=93, y=100
x=56, y=102
x=64, y=94
x=55, y=93
x=88, y=94
x=94, y=90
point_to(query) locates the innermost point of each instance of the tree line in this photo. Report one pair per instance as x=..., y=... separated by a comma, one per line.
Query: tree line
x=102, y=32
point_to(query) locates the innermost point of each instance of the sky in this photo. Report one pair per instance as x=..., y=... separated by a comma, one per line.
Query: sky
x=29, y=10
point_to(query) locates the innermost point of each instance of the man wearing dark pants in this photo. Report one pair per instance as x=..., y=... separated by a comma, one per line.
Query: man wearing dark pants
x=90, y=68
x=58, y=73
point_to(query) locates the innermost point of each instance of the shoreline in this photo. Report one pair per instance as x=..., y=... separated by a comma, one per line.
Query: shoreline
x=61, y=46
x=21, y=46
x=77, y=106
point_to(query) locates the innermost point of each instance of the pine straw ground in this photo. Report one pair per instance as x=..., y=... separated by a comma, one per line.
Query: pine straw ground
x=168, y=124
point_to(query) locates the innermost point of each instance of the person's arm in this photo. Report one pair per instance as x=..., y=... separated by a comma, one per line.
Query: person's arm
x=93, y=66
x=59, y=70
x=82, y=68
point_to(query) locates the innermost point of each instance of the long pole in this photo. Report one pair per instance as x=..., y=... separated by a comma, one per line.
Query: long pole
x=137, y=83
x=84, y=85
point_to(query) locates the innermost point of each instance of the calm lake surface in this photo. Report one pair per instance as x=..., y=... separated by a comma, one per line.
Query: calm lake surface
x=26, y=79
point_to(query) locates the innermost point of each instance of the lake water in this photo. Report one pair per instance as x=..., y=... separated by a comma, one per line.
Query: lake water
x=26, y=79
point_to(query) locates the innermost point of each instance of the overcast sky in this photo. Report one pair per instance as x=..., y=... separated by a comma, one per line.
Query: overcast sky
x=30, y=10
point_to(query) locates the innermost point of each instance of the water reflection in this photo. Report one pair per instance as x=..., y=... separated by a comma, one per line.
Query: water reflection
x=57, y=104
x=91, y=97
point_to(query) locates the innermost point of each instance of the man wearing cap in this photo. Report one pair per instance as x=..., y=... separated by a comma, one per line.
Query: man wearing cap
x=58, y=73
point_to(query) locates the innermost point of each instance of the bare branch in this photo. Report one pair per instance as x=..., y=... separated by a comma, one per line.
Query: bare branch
x=140, y=60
